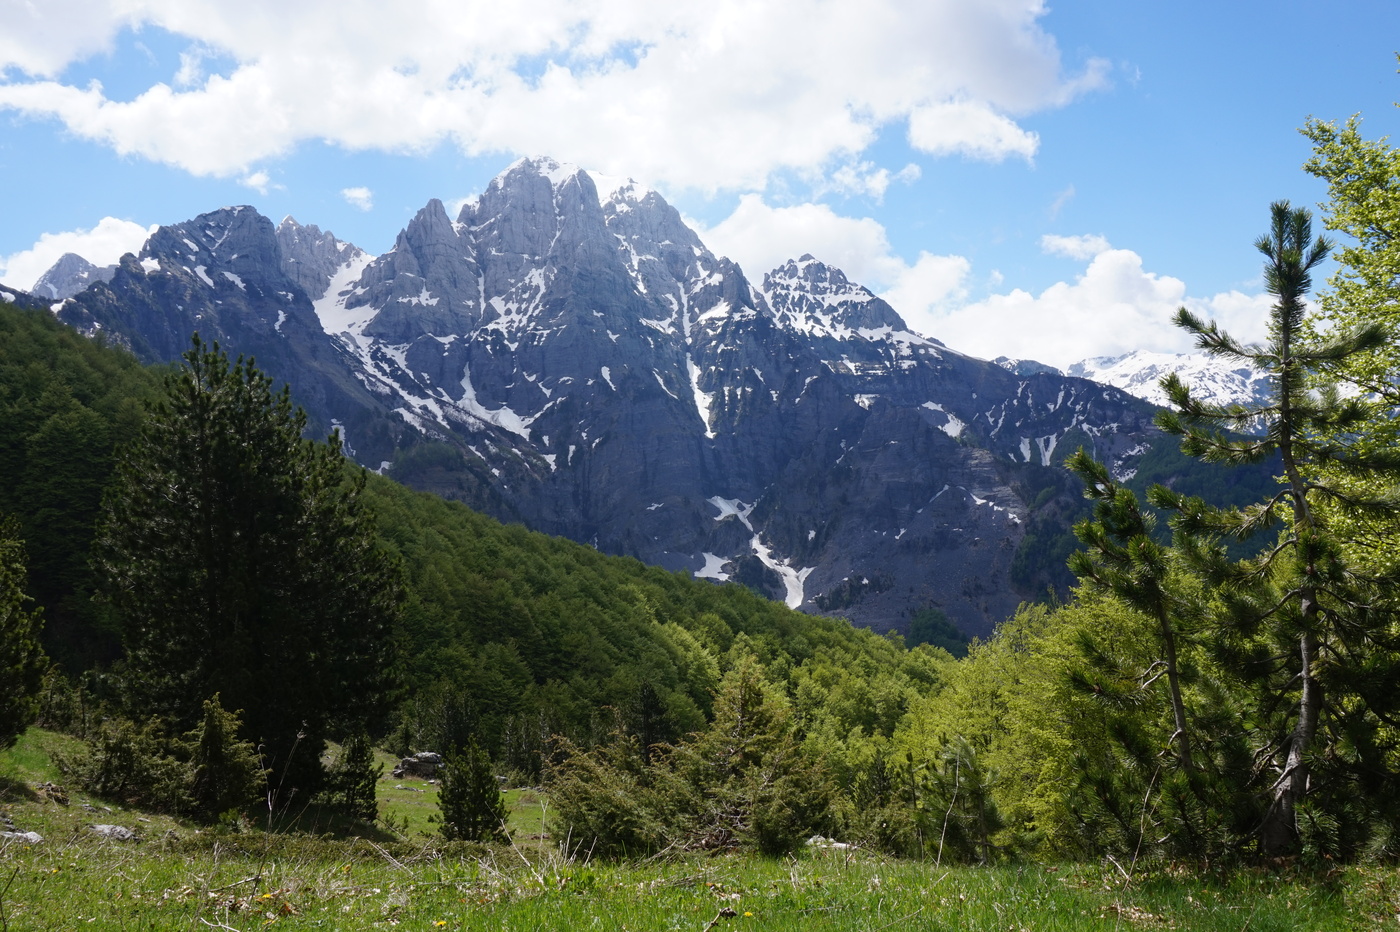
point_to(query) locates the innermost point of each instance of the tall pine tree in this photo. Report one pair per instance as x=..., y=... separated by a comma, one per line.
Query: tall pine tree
x=241, y=561
x=1302, y=627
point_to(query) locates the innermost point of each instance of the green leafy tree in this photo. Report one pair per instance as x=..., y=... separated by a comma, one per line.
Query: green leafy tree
x=240, y=561
x=1363, y=202
x=21, y=659
x=473, y=808
x=1300, y=624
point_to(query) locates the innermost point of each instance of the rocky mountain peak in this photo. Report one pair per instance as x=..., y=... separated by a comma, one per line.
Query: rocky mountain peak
x=1028, y=367
x=815, y=298
x=70, y=275
x=311, y=257
x=237, y=241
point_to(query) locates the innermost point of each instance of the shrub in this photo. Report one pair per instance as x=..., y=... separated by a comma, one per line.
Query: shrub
x=132, y=764
x=742, y=782
x=607, y=799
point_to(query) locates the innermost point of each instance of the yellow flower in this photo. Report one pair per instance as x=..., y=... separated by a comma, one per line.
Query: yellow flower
x=748, y=915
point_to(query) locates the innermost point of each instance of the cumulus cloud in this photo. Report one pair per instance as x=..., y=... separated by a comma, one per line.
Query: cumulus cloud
x=972, y=129
x=104, y=244
x=1114, y=307
x=259, y=181
x=761, y=237
x=704, y=95
x=360, y=198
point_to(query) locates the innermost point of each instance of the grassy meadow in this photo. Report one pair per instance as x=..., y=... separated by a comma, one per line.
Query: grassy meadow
x=310, y=873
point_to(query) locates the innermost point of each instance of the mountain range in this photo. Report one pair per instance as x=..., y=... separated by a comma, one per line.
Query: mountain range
x=566, y=352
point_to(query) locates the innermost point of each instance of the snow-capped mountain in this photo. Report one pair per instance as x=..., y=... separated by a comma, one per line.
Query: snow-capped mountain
x=1211, y=378
x=566, y=352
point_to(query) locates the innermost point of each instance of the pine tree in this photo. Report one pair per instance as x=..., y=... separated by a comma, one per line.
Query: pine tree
x=1301, y=626
x=745, y=779
x=224, y=771
x=473, y=808
x=21, y=659
x=240, y=561
x=353, y=779
x=1125, y=559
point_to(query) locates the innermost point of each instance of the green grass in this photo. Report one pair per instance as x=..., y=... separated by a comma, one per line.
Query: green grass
x=184, y=877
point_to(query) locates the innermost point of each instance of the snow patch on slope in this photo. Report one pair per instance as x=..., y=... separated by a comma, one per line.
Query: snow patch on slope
x=703, y=400
x=330, y=308
x=794, y=580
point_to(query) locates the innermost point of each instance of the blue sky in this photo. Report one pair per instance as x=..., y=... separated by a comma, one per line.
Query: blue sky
x=1020, y=178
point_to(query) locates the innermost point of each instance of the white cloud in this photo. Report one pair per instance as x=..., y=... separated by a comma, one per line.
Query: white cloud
x=969, y=128
x=104, y=244
x=1074, y=247
x=1114, y=307
x=931, y=283
x=359, y=198
x=761, y=237
x=705, y=95
x=259, y=181
x=864, y=178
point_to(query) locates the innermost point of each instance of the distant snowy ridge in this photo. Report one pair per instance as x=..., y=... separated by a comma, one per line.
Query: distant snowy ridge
x=1211, y=378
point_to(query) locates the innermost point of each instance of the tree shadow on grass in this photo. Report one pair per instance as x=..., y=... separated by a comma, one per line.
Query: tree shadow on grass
x=319, y=820
x=14, y=789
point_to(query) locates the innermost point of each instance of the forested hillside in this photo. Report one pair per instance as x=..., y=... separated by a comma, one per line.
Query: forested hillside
x=65, y=402
x=509, y=635
x=516, y=636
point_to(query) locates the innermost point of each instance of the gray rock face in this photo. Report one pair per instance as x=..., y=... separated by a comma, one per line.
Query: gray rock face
x=221, y=275
x=600, y=374
x=311, y=257
x=70, y=275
